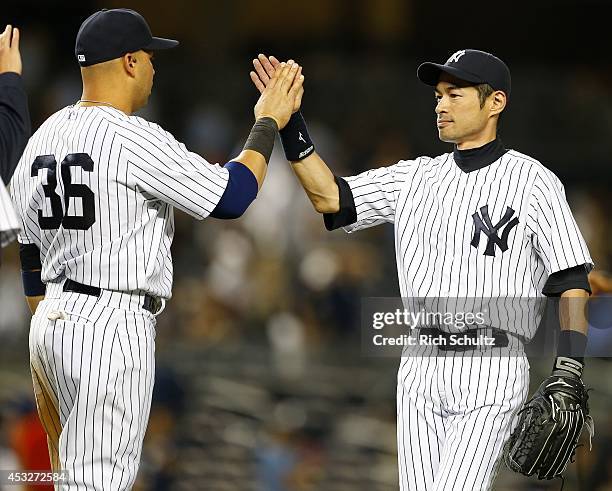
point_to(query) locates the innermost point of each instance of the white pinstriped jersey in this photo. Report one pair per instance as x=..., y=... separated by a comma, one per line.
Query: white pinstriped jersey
x=95, y=191
x=9, y=224
x=442, y=227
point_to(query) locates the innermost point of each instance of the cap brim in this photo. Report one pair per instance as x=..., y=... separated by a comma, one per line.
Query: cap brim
x=429, y=73
x=161, y=43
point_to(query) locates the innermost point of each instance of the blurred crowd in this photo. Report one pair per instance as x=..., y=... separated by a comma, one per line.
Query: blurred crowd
x=261, y=383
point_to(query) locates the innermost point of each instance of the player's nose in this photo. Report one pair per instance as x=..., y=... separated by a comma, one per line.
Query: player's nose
x=442, y=105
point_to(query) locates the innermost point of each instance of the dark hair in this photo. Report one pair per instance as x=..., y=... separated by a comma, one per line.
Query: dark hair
x=484, y=91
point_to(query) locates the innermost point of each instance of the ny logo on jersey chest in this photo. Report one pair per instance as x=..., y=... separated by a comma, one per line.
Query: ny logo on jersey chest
x=482, y=223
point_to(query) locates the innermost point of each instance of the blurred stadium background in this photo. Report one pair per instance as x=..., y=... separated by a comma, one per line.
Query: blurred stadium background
x=261, y=384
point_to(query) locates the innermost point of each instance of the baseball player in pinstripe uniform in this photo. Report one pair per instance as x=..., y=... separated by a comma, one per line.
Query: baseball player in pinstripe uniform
x=482, y=222
x=95, y=191
x=14, y=126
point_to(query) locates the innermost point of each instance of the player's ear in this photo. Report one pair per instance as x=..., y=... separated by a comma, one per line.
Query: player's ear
x=129, y=61
x=499, y=102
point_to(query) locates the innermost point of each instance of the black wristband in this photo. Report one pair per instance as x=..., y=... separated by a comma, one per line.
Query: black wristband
x=572, y=344
x=262, y=136
x=295, y=138
x=569, y=365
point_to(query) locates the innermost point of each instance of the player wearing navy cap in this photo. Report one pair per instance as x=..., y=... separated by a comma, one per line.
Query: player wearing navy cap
x=95, y=191
x=481, y=222
x=109, y=34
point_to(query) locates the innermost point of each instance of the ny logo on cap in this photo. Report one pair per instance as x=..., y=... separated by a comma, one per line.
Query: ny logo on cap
x=456, y=56
x=81, y=57
x=484, y=225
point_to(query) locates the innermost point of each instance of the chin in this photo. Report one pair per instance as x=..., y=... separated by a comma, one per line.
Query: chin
x=445, y=137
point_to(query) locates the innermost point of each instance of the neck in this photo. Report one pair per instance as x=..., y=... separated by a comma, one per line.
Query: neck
x=472, y=159
x=476, y=141
x=106, y=98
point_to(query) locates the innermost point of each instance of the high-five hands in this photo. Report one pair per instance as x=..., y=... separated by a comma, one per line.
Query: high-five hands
x=280, y=92
x=265, y=69
x=10, y=58
x=315, y=177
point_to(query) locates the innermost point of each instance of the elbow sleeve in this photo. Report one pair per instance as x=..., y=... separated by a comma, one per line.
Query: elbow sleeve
x=31, y=265
x=29, y=255
x=567, y=279
x=348, y=212
x=239, y=193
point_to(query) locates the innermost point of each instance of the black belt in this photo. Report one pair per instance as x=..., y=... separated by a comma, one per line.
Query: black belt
x=500, y=338
x=151, y=303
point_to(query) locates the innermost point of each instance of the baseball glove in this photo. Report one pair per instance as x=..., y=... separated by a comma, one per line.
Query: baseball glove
x=549, y=427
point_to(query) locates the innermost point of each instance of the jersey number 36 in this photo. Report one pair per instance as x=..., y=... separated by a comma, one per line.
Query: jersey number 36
x=58, y=218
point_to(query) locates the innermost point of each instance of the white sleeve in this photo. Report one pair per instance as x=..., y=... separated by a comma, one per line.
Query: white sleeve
x=555, y=234
x=9, y=224
x=20, y=190
x=165, y=169
x=375, y=194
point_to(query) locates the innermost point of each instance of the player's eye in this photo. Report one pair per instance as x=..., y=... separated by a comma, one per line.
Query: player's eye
x=454, y=95
x=438, y=97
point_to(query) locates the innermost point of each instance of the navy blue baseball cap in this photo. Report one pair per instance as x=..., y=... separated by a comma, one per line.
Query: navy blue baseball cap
x=470, y=65
x=109, y=34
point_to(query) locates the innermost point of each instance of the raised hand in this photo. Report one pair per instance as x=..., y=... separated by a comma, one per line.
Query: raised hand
x=10, y=58
x=265, y=68
x=279, y=96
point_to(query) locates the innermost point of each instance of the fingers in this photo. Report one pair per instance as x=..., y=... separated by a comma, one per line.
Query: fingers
x=298, y=84
x=278, y=75
x=15, y=40
x=283, y=76
x=289, y=73
x=298, y=79
x=4, y=37
x=261, y=72
x=258, y=83
x=264, y=69
x=274, y=61
x=10, y=59
x=263, y=59
x=297, y=103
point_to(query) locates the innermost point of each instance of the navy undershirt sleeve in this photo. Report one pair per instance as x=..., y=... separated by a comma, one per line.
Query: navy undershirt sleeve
x=15, y=127
x=239, y=193
x=29, y=255
x=567, y=279
x=347, y=214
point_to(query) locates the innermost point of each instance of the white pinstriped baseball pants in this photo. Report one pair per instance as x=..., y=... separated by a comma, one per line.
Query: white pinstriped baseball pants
x=93, y=373
x=455, y=413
